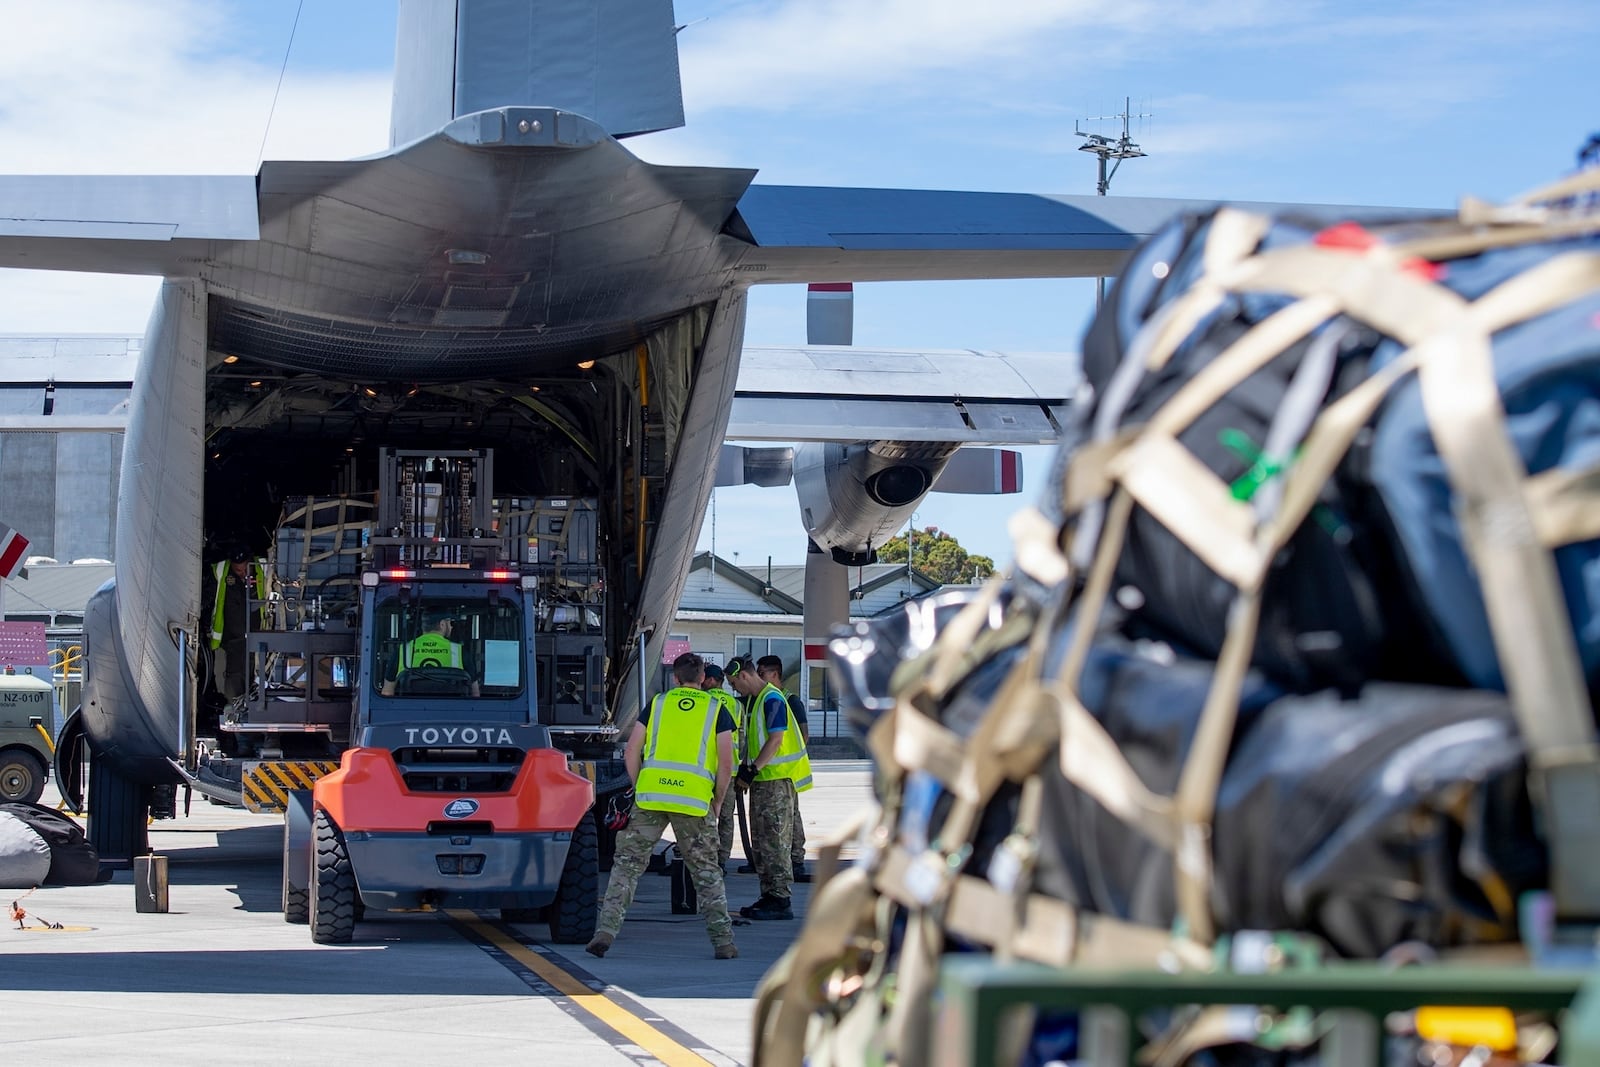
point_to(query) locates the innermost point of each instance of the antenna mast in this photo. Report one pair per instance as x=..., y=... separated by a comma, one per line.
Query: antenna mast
x=711, y=580
x=1105, y=148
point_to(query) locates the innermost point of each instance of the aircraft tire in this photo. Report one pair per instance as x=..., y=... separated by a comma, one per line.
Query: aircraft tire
x=576, y=908
x=333, y=886
x=118, y=811
x=21, y=776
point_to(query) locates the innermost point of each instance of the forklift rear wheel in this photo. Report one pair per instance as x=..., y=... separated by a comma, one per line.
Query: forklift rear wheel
x=333, y=885
x=576, y=907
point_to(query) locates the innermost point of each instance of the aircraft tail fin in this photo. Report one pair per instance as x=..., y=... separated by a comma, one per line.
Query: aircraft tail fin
x=613, y=61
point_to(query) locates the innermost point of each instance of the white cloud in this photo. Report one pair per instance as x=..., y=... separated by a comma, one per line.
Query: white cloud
x=151, y=88
x=828, y=53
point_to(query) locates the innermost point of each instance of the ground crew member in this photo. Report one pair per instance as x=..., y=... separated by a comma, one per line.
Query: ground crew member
x=774, y=765
x=771, y=670
x=238, y=580
x=728, y=815
x=431, y=648
x=679, y=756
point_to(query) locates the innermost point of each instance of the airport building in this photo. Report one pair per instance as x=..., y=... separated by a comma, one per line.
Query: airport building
x=60, y=489
x=726, y=611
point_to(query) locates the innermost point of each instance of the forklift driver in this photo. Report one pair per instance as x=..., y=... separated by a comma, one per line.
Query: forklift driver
x=431, y=648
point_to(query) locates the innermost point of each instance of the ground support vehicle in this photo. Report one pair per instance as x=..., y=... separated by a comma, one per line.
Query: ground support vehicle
x=419, y=668
x=25, y=746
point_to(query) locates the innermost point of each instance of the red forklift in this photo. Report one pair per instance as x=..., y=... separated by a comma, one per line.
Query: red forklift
x=451, y=794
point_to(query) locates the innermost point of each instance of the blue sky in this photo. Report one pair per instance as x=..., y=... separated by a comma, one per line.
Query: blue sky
x=1393, y=103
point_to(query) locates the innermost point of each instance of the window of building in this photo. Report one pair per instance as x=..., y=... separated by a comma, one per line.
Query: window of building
x=785, y=648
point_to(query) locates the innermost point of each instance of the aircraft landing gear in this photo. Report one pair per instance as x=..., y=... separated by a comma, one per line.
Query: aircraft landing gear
x=118, y=810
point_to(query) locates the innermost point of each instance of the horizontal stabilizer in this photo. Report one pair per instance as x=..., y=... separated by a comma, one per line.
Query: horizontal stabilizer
x=767, y=467
x=981, y=471
x=122, y=224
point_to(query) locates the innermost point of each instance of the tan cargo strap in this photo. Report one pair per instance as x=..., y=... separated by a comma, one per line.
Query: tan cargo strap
x=1248, y=354
x=1051, y=931
x=1577, y=184
x=1458, y=244
x=836, y=927
x=1565, y=505
x=1536, y=216
x=1233, y=236
x=1010, y=869
x=906, y=738
x=956, y=638
x=1164, y=479
x=1537, y=290
x=1456, y=350
x=1009, y=742
x=792, y=989
x=1036, y=548
x=1507, y=521
x=1091, y=760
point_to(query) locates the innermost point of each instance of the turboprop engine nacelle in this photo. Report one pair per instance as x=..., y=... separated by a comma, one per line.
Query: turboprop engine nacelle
x=854, y=497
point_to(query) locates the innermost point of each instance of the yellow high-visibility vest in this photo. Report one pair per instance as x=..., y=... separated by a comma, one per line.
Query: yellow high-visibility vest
x=220, y=572
x=731, y=702
x=678, y=769
x=791, y=760
x=430, y=650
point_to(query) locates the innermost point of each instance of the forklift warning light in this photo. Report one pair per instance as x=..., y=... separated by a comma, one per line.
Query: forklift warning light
x=397, y=573
x=493, y=575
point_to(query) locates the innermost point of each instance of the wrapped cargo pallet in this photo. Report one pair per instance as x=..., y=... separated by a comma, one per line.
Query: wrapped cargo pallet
x=1304, y=640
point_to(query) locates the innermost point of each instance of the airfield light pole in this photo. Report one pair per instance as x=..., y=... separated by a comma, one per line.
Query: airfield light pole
x=1105, y=148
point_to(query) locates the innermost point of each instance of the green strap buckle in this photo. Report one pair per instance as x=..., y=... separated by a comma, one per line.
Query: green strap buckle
x=1262, y=468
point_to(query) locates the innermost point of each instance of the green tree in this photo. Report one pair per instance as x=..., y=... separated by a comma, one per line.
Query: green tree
x=939, y=556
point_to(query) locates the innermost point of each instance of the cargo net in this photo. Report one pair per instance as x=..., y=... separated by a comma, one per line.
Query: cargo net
x=317, y=554
x=1301, y=643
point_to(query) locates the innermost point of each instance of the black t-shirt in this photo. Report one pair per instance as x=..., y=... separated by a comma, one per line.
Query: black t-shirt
x=724, y=719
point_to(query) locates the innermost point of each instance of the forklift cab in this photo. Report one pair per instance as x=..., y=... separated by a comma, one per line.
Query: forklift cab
x=436, y=642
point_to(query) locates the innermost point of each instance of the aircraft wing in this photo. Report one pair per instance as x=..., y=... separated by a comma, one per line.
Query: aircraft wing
x=840, y=392
x=122, y=224
x=814, y=234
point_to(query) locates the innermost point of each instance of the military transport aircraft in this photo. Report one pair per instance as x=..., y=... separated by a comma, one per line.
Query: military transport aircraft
x=508, y=275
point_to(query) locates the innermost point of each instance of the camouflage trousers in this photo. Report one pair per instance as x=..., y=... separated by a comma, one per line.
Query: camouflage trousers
x=697, y=842
x=797, y=837
x=771, y=805
x=727, y=825
x=727, y=828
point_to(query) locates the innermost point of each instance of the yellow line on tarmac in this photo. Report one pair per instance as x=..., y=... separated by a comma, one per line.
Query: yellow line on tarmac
x=599, y=1005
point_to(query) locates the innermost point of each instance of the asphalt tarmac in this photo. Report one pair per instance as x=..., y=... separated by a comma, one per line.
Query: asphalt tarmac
x=220, y=978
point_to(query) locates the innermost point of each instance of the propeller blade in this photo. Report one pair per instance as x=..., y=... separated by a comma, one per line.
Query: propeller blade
x=981, y=471
x=830, y=313
x=739, y=465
